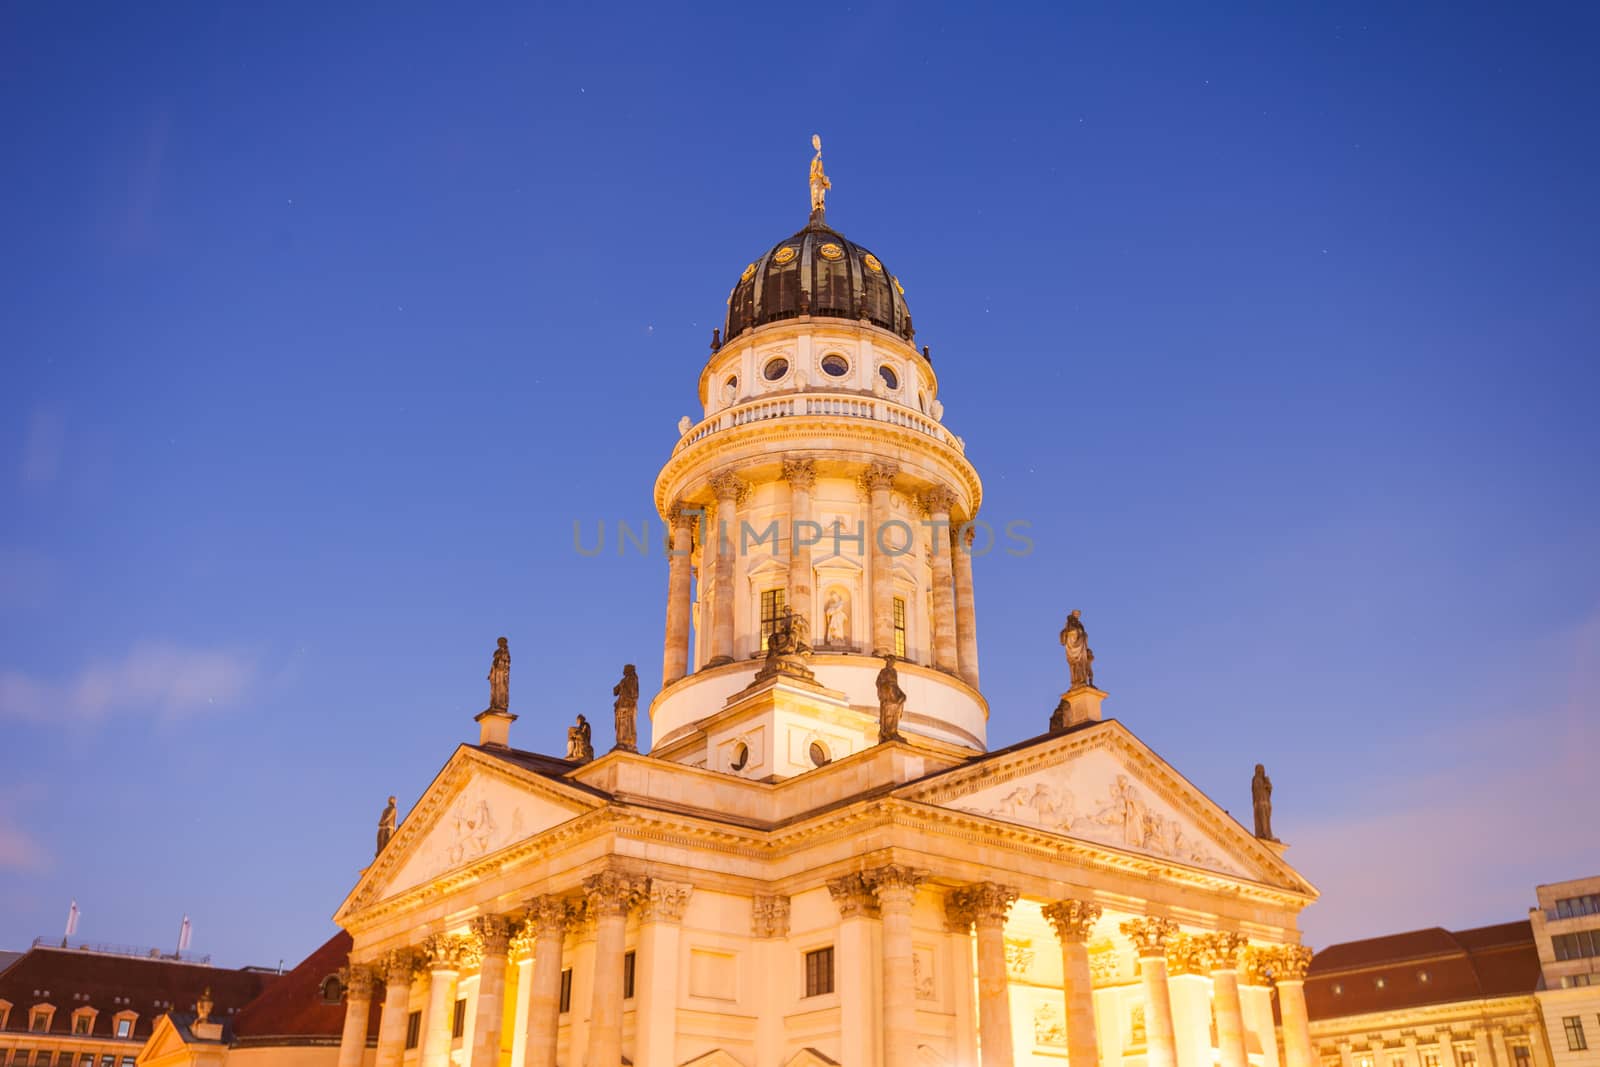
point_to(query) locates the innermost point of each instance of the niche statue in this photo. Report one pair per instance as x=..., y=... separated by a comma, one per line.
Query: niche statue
x=891, y=702
x=626, y=709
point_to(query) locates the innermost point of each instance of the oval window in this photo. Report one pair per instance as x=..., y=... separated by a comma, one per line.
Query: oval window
x=741, y=756
x=835, y=365
x=890, y=378
x=819, y=755
x=776, y=368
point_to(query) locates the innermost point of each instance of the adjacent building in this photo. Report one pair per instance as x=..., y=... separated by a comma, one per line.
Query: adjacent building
x=1566, y=928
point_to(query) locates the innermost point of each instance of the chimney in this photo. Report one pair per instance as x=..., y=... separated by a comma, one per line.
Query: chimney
x=494, y=727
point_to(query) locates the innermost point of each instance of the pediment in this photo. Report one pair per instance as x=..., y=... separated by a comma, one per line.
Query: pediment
x=1102, y=785
x=477, y=806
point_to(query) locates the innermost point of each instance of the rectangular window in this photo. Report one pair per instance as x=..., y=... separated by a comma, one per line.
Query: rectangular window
x=771, y=613
x=819, y=971
x=627, y=975
x=458, y=1021
x=40, y=1022
x=899, y=628
x=23, y=1058
x=124, y=1027
x=1520, y=1056
x=108, y=1060
x=566, y=990
x=127, y=1061
x=1573, y=1025
x=413, y=1029
x=80, y=1025
x=43, y=1058
x=87, y=1060
x=1466, y=1057
x=1576, y=946
x=1430, y=1059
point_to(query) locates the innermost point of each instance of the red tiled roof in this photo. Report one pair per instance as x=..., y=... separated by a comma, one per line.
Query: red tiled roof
x=1432, y=966
x=293, y=1006
x=69, y=979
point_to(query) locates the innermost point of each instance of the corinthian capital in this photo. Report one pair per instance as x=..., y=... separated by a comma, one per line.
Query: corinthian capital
x=494, y=933
x=852, y=895
x=984, y=903
x=611, y=893
x=1220, y=951
x=729, y=486
x=1185, y=955
x=938, y=500
x=1073, y=919
x=878, y=476
x=546, y=915
x=398, y=966
x=769, y=916
x=665, y=901
x=1149, y=935
x=1290, y=962
x=895, y=883
x=800, y=473
x=452, y=952
x=358, y=980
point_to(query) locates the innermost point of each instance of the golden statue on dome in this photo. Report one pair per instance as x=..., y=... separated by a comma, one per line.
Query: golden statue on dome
x=819, y=181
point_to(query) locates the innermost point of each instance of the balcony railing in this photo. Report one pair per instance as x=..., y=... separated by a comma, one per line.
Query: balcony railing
x=121, y=950
x=844, y=405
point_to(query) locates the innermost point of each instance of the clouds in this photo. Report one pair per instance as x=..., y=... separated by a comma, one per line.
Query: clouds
x=165, y=680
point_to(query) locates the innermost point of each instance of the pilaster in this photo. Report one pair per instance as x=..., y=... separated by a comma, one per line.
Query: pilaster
x=661, y=911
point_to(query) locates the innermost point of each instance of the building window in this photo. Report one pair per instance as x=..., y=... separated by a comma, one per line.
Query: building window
x=835, y=365
x=776, y=368
x=413, y=1029
x=899, y=628
x=108, y=1060
x=627, y=975
x=771, y=613
x=741, y=756
x=332, y=990
x=1573, y=1025
x=81, y=1024
x=39, y=1022
x=1430, y=1059
x=458, y=1021
x=890, y=378
x=1521, y=1056
x=44, y=1058
x=127, y=1061
x=124, y=1027
x=818, y=754
x=22, y=1058
x=1466, y=1057
x=819, y=971
x=1577, y=946
x=566, y=990
x=86, y=1060
x=1571, y=907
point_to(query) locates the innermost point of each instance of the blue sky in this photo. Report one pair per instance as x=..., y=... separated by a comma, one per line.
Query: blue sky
x=319, y=328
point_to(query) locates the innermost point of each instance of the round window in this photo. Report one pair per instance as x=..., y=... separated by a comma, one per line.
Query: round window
x=775, y=369
x=835, y=365
x=890, y=378
x=819, y=755
x=741, y=756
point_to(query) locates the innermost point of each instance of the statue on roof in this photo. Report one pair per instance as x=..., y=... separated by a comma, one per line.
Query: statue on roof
x=580, y=746
x=626, y=709
x=385, y=826
x=1261, y=801
x=1080, y=658
x=500, y=678
x=891, y=702
x=819, y=181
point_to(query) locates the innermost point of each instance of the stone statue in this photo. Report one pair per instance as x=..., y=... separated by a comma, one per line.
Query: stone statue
x=819, y=181
x=684, y=423
x=1261, y=801
x=891, y=702
x=626, y=708
x=835, y=620
x=385, y=826
x=580, y=749
x=500, y=678
x=1080, y=658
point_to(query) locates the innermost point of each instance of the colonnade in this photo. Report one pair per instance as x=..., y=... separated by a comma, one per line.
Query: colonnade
x=953, y=641
x=877, y=1016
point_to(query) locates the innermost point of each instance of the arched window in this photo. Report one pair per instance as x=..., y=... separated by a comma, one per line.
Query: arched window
x=332, y=989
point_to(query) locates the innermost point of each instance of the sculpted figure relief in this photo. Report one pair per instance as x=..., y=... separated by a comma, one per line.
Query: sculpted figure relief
x=1261, y=801
x=626, y=709
x=891, y=702
x=580, y=747
x=1080, y=658
x=385, y=825
x=835, y=620
x=500, y=678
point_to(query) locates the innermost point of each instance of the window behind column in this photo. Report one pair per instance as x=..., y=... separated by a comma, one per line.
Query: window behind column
x=413, y=1029
x=899, y=628
x=771, y=612
x=627, y=975
x=566, y=990
x=819, y=971
x=458, y=1021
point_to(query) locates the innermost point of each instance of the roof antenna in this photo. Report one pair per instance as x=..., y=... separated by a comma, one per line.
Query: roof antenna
x=72, y=923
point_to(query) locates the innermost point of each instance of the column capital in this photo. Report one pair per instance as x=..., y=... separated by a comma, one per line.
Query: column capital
x=683, y=513
x=359, y=978
x=1255, y=965
x=1288, y=963
x=1220, y=950
x=547, y=915
x=399, y=966
x=984, y=903
x=938, y=500
x=452, y=952
x=611, y=892
x=1073, y=919
x=664, y=901
x=769, y=916
x=1149, y=935
x=852, y=895
x=1185, y=955
x=800, y=473
x=494, y=933
x=878, y=476
x=522, y=941
x=729, y=486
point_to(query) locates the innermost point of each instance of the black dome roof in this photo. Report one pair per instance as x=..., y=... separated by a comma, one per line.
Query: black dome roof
x=817, y=271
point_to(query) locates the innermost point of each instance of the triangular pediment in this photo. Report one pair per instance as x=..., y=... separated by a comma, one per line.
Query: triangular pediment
x=164, y=1040
x=1100, y=784
x=477, y=806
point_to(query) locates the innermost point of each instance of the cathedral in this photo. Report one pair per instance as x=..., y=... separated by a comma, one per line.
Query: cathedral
x=814, y=855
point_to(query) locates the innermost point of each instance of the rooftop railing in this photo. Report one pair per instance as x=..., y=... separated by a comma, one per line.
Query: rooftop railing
x=845, y=405
x=134, y=951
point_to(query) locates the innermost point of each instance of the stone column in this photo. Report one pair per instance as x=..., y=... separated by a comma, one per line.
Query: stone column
x=655, y=974
x=547, y=917
x=1376, y=1048
x=877, y=480
x=966, y=609
x=958, y=931
x=1447, y=1049
x=520, y=954
x=1346, y=1059
x=1150, y=941
x=730, y=489
x=609, y=896
x=1289, y=974
x=937, y=501
x=447, y=954
x=896, y=887
x=1485, y=1051
x=1189, y=991
x=1255, y=994
x=1413, y=1057
x=986, y=905
x=1073, y=920
x=1220, y=951
x=853, y=969
x=680, y=543
x=489, y=1014
x=397, y=969
x=769, y=924
x=801, y=475
x=358, y=982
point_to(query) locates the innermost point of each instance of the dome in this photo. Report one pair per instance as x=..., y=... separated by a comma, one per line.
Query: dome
x=817, y=271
